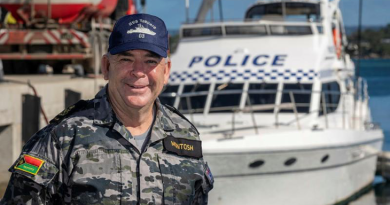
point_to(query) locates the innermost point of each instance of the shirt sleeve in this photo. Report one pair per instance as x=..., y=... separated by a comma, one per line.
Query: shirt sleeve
x=34, y=178
x=202, y=189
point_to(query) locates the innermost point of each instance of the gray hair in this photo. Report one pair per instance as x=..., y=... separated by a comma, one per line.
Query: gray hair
x=108, y=55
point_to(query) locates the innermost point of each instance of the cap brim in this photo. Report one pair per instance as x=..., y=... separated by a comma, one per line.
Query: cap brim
x=139, y=45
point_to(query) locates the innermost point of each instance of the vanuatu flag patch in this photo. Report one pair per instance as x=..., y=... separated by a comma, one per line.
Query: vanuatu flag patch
x=29, y=164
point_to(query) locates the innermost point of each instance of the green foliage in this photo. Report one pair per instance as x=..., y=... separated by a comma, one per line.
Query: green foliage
x=374, y=43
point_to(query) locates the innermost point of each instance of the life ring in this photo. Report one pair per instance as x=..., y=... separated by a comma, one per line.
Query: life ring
x=337, y=41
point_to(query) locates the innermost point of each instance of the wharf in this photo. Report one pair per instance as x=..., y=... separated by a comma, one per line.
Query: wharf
x=383, y=165
x=19, y=108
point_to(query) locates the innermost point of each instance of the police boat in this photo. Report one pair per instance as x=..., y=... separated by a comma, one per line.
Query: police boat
x=282, y=118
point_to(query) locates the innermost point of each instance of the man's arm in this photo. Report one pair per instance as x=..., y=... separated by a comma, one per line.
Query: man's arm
x=35, y=173
x=202, y=188
x=22, y=190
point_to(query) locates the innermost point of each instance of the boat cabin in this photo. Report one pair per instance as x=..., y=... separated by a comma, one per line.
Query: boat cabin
x=282, y=58
x=258, y=97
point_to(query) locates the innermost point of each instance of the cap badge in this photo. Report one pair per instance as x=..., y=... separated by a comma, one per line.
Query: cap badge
x=141, y=29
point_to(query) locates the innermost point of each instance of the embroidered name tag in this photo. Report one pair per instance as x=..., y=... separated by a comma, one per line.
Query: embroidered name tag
x=29, y=164
x=183, y=147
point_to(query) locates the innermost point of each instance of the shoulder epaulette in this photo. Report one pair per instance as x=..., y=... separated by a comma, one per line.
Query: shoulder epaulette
x=173, y=109
x=80, y=105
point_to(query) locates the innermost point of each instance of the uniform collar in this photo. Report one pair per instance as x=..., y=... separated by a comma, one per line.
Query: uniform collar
x=163, y=120
x=105, y=116
x=103, y=113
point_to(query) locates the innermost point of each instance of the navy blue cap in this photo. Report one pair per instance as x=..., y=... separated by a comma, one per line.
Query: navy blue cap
x=139, y=31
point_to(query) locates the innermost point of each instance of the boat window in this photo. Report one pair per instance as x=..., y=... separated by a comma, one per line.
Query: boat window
x=331, y=92
x=290, y=30
x=193, y=98
x=168, y=94
x=262, y=94
x=293, y=11
x=246, y=30
x=320, y=29
x=226, y=97
x=301, y=94
x=202, y=32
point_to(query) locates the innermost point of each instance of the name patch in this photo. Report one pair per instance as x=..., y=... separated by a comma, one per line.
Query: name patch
x=183, y=147
x=29, y=164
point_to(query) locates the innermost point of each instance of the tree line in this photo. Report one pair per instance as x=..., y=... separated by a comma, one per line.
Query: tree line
x=375, y=43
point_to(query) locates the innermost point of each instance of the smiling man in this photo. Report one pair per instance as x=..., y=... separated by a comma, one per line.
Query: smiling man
x=123, y=146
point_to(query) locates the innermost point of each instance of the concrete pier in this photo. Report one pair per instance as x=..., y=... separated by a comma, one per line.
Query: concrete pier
x=51, y=91
x=383, y=165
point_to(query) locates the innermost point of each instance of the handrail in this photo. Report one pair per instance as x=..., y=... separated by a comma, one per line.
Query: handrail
x=326, y=106
x=295, y=109
x=324, y=110
x=252, y=114
x=262, y=107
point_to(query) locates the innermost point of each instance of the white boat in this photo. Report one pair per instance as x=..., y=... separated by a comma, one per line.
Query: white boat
x=281, y=116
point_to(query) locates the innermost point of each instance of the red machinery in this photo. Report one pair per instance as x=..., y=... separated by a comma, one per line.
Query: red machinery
x=59, y=32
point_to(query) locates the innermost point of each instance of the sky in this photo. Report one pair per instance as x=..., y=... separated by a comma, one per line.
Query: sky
x=173, y=12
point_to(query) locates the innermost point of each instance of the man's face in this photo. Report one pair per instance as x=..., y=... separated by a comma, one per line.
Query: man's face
x=135, y=77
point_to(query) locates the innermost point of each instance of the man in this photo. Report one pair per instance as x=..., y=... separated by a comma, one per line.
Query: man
x=122, y=147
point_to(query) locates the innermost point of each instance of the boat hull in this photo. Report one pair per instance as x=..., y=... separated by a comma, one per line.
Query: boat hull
x=318, y=176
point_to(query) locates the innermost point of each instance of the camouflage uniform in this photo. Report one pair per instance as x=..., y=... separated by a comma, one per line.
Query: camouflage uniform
x=87, y=156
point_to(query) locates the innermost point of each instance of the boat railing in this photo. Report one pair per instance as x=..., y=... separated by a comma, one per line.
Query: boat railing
x=326, y=107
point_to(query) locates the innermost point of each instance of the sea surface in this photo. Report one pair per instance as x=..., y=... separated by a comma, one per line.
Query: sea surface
x=377, y=74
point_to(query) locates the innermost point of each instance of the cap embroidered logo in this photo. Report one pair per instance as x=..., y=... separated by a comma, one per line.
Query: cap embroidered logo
x=141, y=29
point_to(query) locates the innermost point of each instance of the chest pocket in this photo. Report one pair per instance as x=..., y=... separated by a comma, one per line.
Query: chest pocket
x=181, y=178
x=96, y=177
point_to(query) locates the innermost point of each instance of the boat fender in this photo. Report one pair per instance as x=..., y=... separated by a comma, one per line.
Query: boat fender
x=337, y=41
x=173, y=109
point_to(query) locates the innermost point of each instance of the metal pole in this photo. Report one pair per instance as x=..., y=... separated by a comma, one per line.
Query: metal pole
x=233, y=122
x=343, y=110
x=189, y=106
x=212, y=13
x=143, y=4
x=48, y=10
x=188, y=11
x=324, y=110
x=284, y=9
x=252, y=114
x=295, y=109
x=32, y=12
x=357, y=74
x=220, y=10
x=360, y=103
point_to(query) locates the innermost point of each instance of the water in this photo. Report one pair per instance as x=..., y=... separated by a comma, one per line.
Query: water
x=377, y=74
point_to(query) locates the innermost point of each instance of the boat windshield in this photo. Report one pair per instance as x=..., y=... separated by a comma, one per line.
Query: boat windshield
x=231, y=97
x=331, y=95
x=286, y=11
x=202, y=31
x=301, y=94
x=248, y=29
x=226, y=97
x=290, y=30
x=261, y=94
